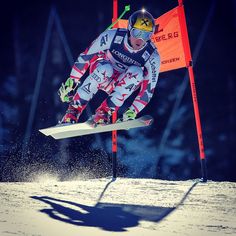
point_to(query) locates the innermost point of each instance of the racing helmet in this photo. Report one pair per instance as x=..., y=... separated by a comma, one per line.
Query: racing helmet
x=141, y=24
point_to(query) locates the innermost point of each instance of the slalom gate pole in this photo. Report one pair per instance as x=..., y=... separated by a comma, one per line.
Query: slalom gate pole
x=115, y=13
x=115, y=19
x=114, y=147
x=189, y=65
x=198, y=124
x=114, y=114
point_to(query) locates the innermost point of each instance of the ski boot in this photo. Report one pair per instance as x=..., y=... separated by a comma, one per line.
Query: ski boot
x=71, y=116
x=102, y=116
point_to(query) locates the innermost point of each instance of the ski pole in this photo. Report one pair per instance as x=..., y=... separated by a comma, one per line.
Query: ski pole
x=127, y=8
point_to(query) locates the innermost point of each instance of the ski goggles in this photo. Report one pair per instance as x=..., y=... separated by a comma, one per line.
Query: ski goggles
x=140, y=34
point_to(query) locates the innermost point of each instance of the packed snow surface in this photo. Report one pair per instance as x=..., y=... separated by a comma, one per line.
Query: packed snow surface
x=122, y=207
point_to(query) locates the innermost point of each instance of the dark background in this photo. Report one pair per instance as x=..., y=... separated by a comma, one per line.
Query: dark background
x=169, y=150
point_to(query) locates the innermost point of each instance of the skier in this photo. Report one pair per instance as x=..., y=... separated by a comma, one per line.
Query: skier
x=120, y=61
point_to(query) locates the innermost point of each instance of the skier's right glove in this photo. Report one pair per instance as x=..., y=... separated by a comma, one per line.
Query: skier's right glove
x=66, y=91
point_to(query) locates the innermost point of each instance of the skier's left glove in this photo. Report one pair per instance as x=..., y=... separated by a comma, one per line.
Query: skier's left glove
x=129, y=115
x=66, y=91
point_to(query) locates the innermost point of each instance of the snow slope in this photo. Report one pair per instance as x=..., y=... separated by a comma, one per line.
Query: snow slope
x=122, y=207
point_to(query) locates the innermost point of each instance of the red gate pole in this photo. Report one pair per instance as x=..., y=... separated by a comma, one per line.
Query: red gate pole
x=114, y=114
x=189, y=65
x=198, y=124
x=115, y=10
x=114, y=147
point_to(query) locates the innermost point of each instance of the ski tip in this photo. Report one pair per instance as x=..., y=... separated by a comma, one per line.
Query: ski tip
x=147, y=119
x=148, y=122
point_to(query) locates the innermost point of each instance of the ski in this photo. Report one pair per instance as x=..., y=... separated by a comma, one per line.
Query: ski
x=73, y=130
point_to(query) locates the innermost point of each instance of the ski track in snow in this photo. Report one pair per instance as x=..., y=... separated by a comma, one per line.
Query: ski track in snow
x=123, y=207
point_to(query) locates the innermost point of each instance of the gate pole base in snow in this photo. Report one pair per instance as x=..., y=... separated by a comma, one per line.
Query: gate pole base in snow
x=204, y=170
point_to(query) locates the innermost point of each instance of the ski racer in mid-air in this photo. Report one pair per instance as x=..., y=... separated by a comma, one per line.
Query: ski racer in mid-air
x=120, y=61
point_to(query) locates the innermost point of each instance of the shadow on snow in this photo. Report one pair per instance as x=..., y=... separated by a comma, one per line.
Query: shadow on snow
x=107, y=216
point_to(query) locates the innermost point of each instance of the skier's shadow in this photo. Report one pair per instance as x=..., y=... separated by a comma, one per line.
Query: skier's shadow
x=107, y=216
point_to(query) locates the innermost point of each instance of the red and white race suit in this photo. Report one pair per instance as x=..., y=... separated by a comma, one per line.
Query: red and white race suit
x=118, y=69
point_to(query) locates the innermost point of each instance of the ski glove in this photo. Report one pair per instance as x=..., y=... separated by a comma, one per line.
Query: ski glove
x=66, y=91
x=129, y=115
